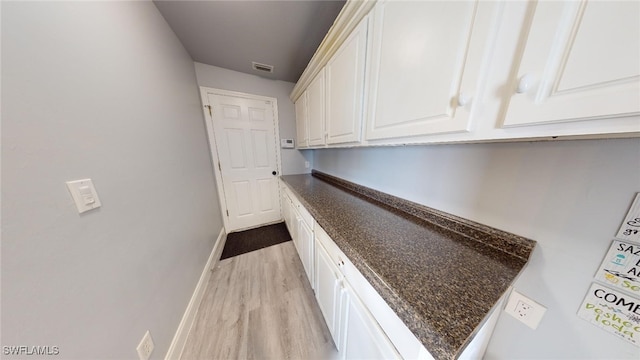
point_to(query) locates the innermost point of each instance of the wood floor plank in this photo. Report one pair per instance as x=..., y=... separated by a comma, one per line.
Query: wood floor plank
x=259, y=305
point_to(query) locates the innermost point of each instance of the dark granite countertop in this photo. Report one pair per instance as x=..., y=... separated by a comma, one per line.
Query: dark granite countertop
x=441, y=274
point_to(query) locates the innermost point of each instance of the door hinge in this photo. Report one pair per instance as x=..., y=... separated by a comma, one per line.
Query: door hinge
x=227, y=213
x=219, y=167
x=209, y=107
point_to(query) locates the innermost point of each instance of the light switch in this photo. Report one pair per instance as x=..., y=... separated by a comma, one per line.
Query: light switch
x=84, y=194
x=87, y=195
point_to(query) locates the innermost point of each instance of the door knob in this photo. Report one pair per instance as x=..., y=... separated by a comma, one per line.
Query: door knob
x=273, y=173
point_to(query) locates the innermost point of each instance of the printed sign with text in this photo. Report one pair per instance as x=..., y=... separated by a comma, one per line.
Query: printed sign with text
x=621, y=267
x=630, y=228
x=612, y=311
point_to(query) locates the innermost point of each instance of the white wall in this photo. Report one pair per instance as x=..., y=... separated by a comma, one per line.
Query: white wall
x=569, y=196
x=216, y=77
x=101, y=90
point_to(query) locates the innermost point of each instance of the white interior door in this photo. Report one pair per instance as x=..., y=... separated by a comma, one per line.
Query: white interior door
x=245, y=142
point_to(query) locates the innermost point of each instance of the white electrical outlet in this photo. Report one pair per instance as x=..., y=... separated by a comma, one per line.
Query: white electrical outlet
x=306, y=164
x=524, y=309
x=145, y=348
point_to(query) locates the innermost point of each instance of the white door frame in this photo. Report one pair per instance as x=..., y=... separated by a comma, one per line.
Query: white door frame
x=204, y=92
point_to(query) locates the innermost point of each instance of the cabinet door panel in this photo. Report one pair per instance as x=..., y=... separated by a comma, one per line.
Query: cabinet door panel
x=345, y=87
x=363, y=338
x=285, y=209
x=580, y=62
x=305, y=242
x=295, y=219
x=424, y=55
x=302, y=131
x=327, y=287
x=315, y=110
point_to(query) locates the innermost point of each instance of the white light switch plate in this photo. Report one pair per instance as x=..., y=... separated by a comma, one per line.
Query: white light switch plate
x=84, y=194
x=524, y=309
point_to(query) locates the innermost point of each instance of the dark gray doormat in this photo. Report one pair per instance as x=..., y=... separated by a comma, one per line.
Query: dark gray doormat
x=242, y=242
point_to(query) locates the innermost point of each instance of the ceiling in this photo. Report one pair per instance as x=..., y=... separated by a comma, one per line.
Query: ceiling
x=233, y=33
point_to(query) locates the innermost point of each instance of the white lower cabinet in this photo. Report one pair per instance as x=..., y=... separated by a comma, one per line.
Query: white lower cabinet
x=360, y=321
x=300, y=225
x=306, y=248
x=328, y=288
x=355, y=331
x=363, y=338
x=285, y=205
x=290, y=216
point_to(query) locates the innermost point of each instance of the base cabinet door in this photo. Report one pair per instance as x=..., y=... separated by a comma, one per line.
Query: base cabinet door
x=284, y=200
x=328, y=284
x=293, y=224
x=305, y=248
x=363, y=338
x=296, y=237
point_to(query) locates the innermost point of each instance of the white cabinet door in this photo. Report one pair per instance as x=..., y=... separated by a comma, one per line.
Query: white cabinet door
x=291, y=219
x=363, y=338
x=328, y=285
x=302, y=121
x=345, y=74
x=426, y=60
x=580, y=61
x=294, y=219
x=315, y=110
x=284, y=201
x=306, y=248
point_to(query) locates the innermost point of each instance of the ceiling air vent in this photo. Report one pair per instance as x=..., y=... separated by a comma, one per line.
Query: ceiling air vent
x=262, y=67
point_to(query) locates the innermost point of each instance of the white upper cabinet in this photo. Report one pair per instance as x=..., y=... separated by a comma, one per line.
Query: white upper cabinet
x=315, y=110
x=416, y=72
x=577, y=61
x=345, y=79
x=426, y=60
x=302, y=121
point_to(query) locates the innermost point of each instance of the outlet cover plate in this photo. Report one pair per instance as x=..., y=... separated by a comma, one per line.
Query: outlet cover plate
x=524, y=309
x=145, y=348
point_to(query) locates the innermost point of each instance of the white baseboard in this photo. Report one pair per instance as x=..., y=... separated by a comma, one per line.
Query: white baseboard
x=180, y=338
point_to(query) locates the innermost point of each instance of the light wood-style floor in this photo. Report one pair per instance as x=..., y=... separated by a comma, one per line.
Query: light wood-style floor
x=259, y=305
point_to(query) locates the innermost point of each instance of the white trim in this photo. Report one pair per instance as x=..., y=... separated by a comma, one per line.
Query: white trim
x=349, y=17
x=180, y=338
x=204, y=93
